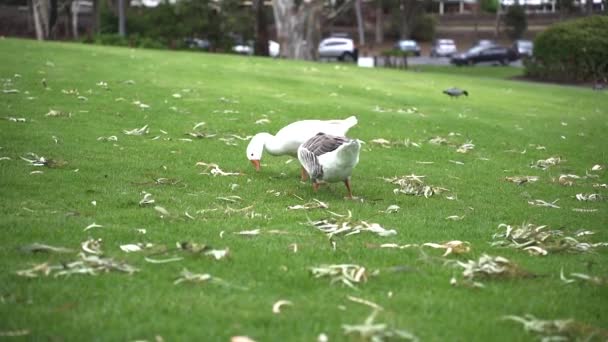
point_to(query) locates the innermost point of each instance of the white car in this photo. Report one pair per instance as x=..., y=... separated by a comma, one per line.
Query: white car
x=273, y=49
x=443, y=48
x=337, y=47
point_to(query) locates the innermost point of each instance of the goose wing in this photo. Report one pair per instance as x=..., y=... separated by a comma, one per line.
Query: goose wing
x=309, y=152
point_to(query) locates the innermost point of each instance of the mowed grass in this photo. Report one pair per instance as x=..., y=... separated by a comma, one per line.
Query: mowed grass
x=230, y=93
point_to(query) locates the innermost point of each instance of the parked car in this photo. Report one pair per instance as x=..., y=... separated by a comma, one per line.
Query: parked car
x=523, y=48
x=408, y=46
x=488, y=53
x=443, y=48
x=197, y=43
x=343, y=49
x=247, y=49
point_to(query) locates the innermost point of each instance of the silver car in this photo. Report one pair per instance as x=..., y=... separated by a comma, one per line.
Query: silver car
x=443, y=48
x=338, y=47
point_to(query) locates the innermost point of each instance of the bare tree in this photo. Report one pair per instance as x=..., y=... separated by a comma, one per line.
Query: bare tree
x=122, y=31
x=409, y=11
x=40, y=12
x=360, y=22
x=298, y=27
x=379, y=22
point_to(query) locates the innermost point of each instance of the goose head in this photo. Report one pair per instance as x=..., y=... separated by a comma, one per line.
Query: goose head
x=255, y=149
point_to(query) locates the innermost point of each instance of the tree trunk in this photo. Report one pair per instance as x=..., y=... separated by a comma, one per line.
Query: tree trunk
x=360, y=27
x=122, y=31
x=40, y=12
x=95, y=17
x=379, y=23
x=261, y=28
x=298, y=27
x=75, y=14
x=497, y=24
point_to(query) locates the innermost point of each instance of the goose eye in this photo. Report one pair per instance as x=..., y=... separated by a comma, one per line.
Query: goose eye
x=252, y=154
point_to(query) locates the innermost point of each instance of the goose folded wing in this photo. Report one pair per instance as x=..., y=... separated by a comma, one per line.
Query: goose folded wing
x=323, y=143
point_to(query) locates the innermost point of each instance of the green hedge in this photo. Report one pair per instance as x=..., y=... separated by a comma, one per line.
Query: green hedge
x=572, y=51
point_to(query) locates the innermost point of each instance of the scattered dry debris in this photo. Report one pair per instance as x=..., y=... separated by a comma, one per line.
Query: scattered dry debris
x=490, y=267
x=13, y=119
x=455, y=218
x=347, y=274
x=541, y=203
x=14, y=333
x=57, y=113
x=559, y=329
x=519, y=180
x=40, y=247
x=162, y=261
x=276, y=307
x=413, y=185
x=36, y=160
x=393, y=208
x=332, y=227
x=597, y=167
x=187, y=276
x=454, y=246
x=215, y=170
x=241, y=339
x=262, y=121
x=91, y=226
x=110, y=138
x=546, y=163
x=315, y=204
x=540, y=240
x=438, y=141
x=162, y=211
x=589, y=197
x=466, y=147
x=582, y=277
x=137, y=131
x=147, y=199
x=567, y=180
x=365, y=302
x=87, y=264
x=141, y=104
x=370, y=331
x=135, y=247
x=584, y=210
x=92, y=246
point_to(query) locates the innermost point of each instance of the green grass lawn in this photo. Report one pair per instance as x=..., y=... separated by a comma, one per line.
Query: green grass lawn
x=509, y=123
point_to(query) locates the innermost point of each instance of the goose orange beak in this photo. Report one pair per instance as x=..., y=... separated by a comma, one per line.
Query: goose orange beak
x=256, y=164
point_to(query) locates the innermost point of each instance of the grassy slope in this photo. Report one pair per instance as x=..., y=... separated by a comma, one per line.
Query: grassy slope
x=499, y=115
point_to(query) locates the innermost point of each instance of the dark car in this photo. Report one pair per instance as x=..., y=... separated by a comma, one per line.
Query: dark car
x=484, y=42
x=489, y=53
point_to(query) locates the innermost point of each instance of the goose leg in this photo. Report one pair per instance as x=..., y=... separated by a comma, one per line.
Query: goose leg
x=304, y=175
x=315, y=186
x=347, y=183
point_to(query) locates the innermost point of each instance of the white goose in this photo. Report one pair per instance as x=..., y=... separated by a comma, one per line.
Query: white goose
x=329, y=158
x=289, y=138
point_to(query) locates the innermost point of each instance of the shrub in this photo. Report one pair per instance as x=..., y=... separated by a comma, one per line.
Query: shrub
x=425, y=27
x=489, y=6
x=575, y=50
x=516, y=21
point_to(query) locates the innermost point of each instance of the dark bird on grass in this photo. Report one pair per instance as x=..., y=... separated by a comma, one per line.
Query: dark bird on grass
x=455, y=92
x=44, y=83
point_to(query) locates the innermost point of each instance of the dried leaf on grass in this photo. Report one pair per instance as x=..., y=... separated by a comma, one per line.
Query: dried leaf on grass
x=14, y=333
x=370, y=331
x=332, y=227
x=589, y=197
x=14, y=119
x=519, y=180
x=110, y=138
x=137, y=131
x=92, y=246
x=147, y=199
x=34, y=160
x=454, y=246
x=40, y=247
x=214, y=170
x=540, y=240
x=57, y=113
x=582, y=277
x=135, y=247
x=393, y=208
x=466, y=147
x=567, y=180
x=347, y=274
x=490, y=267
x=315, y=204
x=413, y=185
x=559, y=329
x=87, y=264
x=276, y=307
x=163, y=261
x=544, y=164
x=542, y=203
